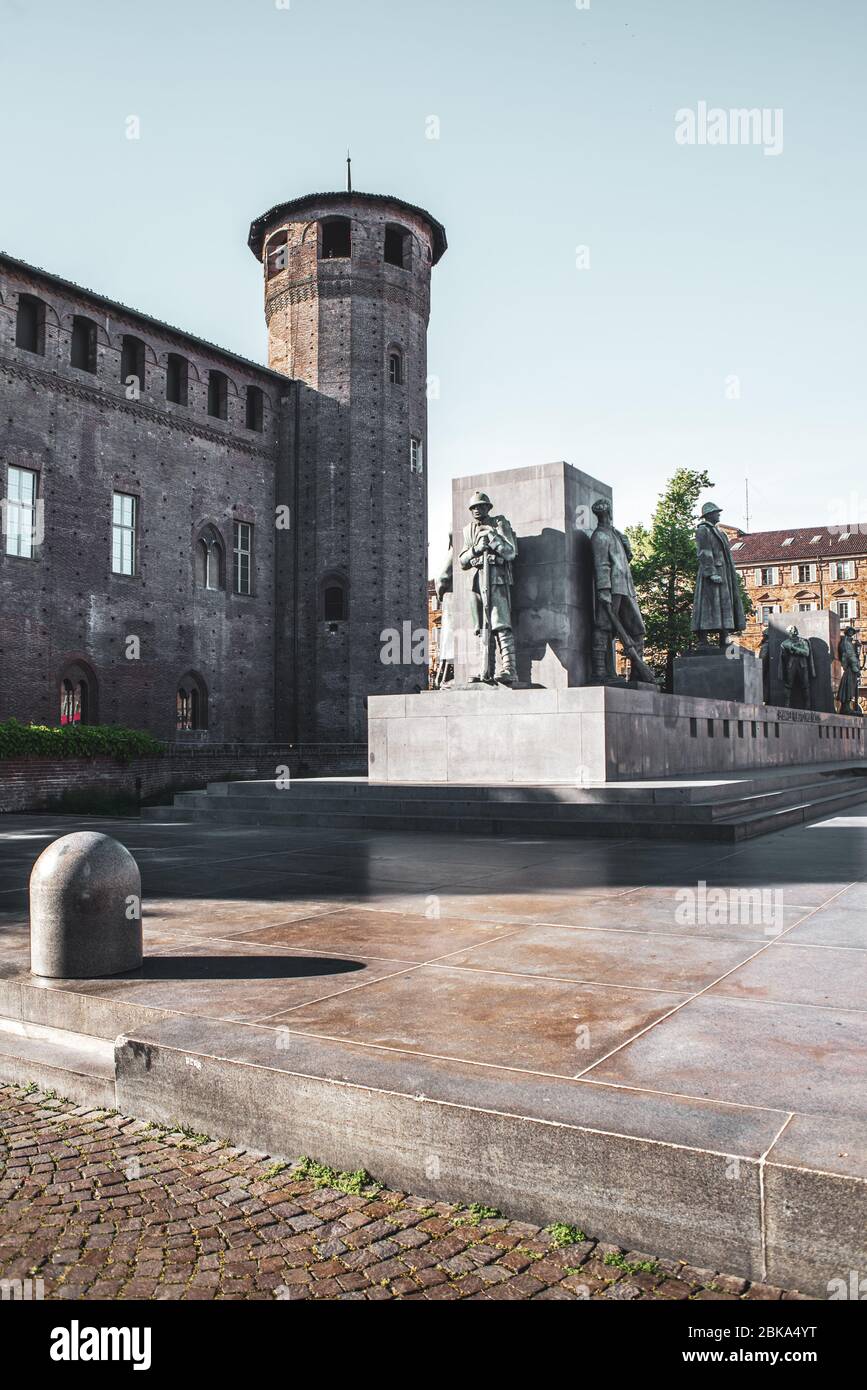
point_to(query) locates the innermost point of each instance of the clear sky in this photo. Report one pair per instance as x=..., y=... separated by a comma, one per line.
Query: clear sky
x=557, y=131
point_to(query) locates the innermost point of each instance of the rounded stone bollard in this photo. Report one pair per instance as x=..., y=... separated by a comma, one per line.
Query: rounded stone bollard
x=85, y=908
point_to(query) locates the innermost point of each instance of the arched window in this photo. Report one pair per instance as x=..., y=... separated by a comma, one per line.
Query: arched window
x=30, y=324
x=132, y=362
x=395, y=366
x=275, y=258
x=397, y=247
x=177, y=378
x=255, y=408
x=82, y=345
x=218, y=395
x=335, y=242
x=210, y=559
x=334, y=599
x=77, y=695
x=191, y=703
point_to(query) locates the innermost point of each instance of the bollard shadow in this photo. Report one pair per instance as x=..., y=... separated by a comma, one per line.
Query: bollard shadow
x=217, y=967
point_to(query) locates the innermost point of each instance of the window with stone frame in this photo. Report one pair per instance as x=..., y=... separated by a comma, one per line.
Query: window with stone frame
x=20, y=512
x=242, y=557
x=124, y=521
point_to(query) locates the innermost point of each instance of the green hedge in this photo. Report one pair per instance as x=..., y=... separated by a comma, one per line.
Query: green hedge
x=75, y=741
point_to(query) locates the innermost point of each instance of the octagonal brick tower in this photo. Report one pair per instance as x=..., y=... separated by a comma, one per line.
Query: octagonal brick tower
x=347, y=302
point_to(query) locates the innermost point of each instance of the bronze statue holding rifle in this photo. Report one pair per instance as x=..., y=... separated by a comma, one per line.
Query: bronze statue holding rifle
x=489, y=549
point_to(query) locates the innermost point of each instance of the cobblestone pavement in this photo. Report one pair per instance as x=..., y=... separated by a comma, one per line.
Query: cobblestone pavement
x=100, y=1206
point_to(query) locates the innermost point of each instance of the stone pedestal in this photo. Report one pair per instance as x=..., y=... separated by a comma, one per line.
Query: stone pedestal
x=733, y=674
x=498, y=737
x=822, y=630
x=552, y=596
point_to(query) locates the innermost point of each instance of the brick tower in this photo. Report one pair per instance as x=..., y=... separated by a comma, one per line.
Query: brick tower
x=347, y=301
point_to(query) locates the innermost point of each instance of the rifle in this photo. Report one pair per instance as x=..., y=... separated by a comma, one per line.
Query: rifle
x=641, y=667
x=485, y=586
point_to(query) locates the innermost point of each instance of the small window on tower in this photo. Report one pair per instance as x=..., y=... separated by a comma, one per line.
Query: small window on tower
x=82, y=346
x=275, y=260
x=397, y=247
x=395, y=367
x=177, y=376
x=30, y=324
x=218, y=395
x=336, y=239
x=334, y=602
x=416, y=456
x=255, y=408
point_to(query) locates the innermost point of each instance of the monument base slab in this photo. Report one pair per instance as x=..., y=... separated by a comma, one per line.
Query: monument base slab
x=591, y=734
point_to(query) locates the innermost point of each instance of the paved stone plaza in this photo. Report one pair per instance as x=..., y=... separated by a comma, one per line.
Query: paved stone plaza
x=562, y=995
x=100, y=1206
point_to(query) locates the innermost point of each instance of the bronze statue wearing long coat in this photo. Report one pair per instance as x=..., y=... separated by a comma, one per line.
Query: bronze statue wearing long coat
x=717, y=607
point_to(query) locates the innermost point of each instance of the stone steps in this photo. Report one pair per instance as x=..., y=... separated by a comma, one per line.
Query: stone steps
x=75, y=1065
x=755, y=807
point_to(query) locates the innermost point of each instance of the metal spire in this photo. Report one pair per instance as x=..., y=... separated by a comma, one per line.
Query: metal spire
x=348, y=172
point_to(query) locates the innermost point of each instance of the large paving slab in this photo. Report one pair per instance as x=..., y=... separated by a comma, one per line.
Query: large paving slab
x=664, y=1044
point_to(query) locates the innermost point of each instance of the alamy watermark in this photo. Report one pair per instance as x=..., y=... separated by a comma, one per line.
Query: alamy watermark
x=740, y=125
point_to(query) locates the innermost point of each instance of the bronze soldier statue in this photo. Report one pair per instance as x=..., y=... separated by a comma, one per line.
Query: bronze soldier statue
x=616, y=609
x=850, y=659
x=796, y=668
x=489, y=549
x=717, y=606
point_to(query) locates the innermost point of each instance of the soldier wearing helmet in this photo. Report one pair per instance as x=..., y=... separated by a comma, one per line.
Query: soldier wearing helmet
x=717, y=605
x=489, y=547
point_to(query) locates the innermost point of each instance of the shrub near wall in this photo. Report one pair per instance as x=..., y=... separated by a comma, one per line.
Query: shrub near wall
x=75, y=741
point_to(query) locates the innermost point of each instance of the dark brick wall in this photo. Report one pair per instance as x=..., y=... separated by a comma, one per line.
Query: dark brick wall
x=86, y=439
x=362, y=512
x=334, y=454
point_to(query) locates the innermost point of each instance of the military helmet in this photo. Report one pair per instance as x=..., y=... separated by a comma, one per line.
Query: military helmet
x=480, y=499
x=710, y=507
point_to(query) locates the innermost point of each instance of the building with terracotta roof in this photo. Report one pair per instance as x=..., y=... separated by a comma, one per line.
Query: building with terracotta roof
x=802, y=570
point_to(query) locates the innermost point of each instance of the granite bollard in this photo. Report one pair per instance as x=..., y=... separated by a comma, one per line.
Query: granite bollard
x=85, y=908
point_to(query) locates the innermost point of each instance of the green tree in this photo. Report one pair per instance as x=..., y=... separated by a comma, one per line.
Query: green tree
x=665, y=566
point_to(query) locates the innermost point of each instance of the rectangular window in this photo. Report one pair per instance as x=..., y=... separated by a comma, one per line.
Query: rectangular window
x=807, y=607
x=768, y=609
x=123, y=529
x=19, y=513
x=177, y=376
x=843, y=569
x=770, y=574
x=242, y=557
x=255, y=408
x=416, y=456
x=30, y=324
x=803, y=574
x=218, y=395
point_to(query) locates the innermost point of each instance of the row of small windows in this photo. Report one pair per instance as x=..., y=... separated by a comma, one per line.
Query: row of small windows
x=335, y=244
x=30, y=335
x=23, y=535
x=78, y=699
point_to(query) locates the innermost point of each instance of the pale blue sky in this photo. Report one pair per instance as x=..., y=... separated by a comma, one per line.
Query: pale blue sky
x=557, y=131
